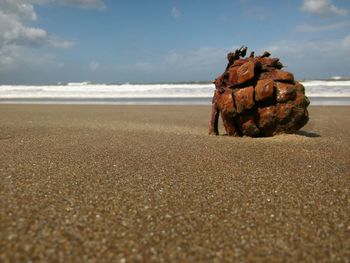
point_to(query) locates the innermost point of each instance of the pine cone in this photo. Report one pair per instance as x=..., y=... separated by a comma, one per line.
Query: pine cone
x=257, y=98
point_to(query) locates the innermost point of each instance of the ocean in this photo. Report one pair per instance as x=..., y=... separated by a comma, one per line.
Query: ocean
x=320, y=92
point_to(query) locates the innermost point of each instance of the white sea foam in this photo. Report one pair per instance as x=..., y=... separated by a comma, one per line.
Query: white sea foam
x=322, y=88
x=109, y=91
x=87, y=91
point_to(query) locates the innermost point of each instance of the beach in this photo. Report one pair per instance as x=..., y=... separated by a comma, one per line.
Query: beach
x=107, y=183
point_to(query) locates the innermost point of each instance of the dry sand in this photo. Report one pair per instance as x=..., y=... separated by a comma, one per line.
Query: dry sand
x=146, y=183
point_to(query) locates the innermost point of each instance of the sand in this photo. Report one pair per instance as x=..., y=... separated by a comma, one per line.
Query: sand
x=147, y=184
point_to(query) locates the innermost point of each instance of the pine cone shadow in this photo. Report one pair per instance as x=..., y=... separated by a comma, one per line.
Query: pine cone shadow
x=308, y=134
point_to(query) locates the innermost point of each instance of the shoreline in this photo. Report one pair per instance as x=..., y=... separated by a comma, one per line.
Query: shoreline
x=146, y=183
x=203, y=101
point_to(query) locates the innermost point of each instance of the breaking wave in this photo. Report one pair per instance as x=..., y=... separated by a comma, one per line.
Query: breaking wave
x=317, y=89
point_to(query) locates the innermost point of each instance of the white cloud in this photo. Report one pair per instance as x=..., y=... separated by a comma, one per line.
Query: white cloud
x=24, y=9
x=203, y=63
x=17, y=33
x=94, y=65
x=256, y=12
x=144, y=66
x=323, y=48
x=323, y=8
x=346, y=42
x=8, y=55
x=197, y=59
x=86, y=4
x=320, y=28
x=175, y=12
x=314, y=58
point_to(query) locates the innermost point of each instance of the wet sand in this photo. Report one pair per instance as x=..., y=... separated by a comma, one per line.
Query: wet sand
x=147, y=184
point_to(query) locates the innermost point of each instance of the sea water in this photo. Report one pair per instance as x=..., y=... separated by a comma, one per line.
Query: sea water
x=320, y=92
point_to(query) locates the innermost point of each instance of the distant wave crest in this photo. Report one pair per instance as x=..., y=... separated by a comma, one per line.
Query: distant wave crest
x=87, y=90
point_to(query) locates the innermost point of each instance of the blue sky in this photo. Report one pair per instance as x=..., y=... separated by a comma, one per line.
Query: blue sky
x=50, y=41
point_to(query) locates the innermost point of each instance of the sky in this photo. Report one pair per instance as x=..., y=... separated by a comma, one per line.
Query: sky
x=112, y=41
